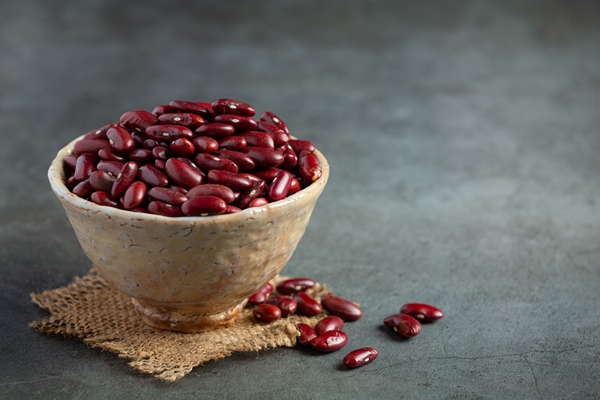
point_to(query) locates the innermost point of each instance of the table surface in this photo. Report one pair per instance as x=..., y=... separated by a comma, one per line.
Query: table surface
x=464, y=144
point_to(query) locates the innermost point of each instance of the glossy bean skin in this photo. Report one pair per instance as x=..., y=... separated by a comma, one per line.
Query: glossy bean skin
x=286, y=304
x=307, y=333
x=201, y=109
x=239, y=123
x=215, y=130
x=290, y=160
x=168, y=132
x=341, y=307
x=266, y=175
x=309, y=166
x=232, y=143
x=403, y=324
x=98, y=133
x=141, y=156
x=160, y=165
x=138, y=120
x=270, y=117
x=295, y=285
x=125, y=178
x=329, y=323
x=139, y=137
x=103, y=199
x=329, y=341
x=258, y=139
x=280, y=138
x=258, y=202
x=205, y=144
x=298, y=145
x=251, y=194
x=230, y=209
x=242, y=161
x=279, y=188
x=188, y=120
x=264, y=157
x=168, y=196
x=266, y=312
x=422, y=312
x=182, y=147
x=150, y=144
x=204, y=206
x=359, y=357
x=83, y=189
x=208, y=162
x=182, y=173
x=70, y=161
x=294, y=187
x=102, y=181
x=167, y=210
x=260, y=296
x=120, y=139
x=307, y=305
x=134, y=195
x=163, y=109
x=233, y=107
x=152, y=176
x=90, y=146
x=229, y=179
x=108, y=154
x=84, y=167
x=212, y=189
x=113, y=167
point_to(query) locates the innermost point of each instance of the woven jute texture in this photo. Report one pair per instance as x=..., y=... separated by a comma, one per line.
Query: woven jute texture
x=101, y=316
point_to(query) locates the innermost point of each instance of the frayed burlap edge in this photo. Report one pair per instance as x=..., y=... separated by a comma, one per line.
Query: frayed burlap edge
x=103, y=317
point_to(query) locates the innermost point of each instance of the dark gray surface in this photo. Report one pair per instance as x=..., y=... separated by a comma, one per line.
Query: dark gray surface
x=464, y=143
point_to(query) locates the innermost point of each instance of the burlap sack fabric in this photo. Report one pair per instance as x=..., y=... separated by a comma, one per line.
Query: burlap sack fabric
x=101, y=316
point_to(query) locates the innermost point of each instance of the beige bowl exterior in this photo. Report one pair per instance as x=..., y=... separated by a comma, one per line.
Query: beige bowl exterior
x=189, y=273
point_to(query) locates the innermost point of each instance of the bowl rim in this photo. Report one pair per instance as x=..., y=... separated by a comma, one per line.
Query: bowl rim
x=57, y=180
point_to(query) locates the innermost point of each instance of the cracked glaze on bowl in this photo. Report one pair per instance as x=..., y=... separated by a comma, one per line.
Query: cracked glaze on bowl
x=188, y=274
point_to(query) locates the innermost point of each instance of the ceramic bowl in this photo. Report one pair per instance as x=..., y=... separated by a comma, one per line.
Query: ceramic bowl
x=188, y=274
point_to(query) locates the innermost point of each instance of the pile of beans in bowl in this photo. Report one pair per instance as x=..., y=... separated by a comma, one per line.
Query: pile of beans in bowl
x=191, y=159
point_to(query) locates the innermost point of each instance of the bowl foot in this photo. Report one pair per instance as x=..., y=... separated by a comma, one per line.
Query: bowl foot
x=184, y=319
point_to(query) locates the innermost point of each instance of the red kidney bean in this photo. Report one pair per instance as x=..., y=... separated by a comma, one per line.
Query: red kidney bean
x=307, y=305
x=110, y=155
x=149, y=144
x=341, y=307
x=90, y=146
x=138, y=120
x=266, y=175
x=309, y=166
x=70, y=161
x=208, y=162
x=359, y=357
x=182, y=147
x=307, y=333
x=251, y=194
x=264, y=157
x=295, y=285
x=167, y=210
x=189, y=120
x=98, y=133
x=290, y=160
x=204, y=206
x=103, y=199
x=120, y=139
x=403, y=324
x=134, y=195
x=71, y=182
x=258, y=202
x=141, y=156
x=139, y=137
x=294, y=187
x=280, y=186
x=287, y=305
x=102, y=181
x=234, y=107
x=113, y=167
x=83, y=189
x=422, y=312
x=161, y=153
x=329, y=341
x=182, y=173
x=266, y=312
x=258, y=139
x=125, y=178
x=205, y=144
x=242, y=161
x=152, y=176
x=84, y=166
x=270, y=117
x=215, y=130
x=191, y=164
x=254, y=179
x=280, y=138
x=239, y=123
x=231, y=209
x=163, y=109
x=159, y=165
x=298, y=145
x=178, y=189
x=168, y=196
x=212, y=189
x=201, y=109
x=168, y=132
x=232, y=143
x=229, y=179
x=329, y=323
x=260, y=296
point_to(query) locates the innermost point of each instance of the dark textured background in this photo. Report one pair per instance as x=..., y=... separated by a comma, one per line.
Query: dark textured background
x=464, y=142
